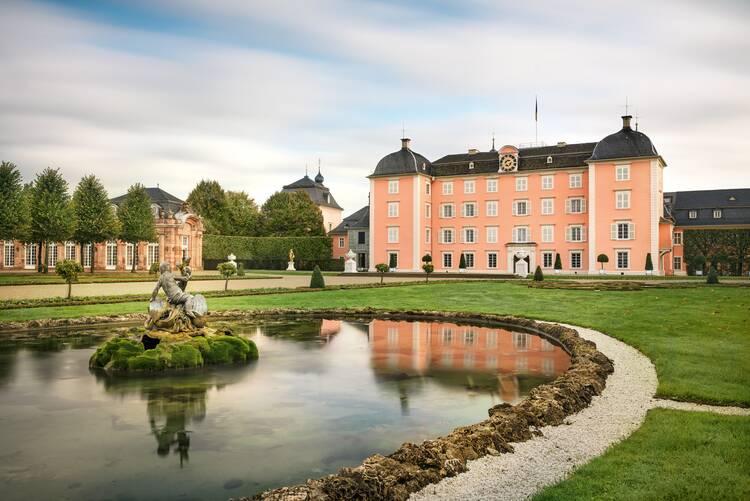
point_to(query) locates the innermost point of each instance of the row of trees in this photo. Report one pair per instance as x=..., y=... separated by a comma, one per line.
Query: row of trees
x=235, y=213
x=725, y=250
x=43, y=211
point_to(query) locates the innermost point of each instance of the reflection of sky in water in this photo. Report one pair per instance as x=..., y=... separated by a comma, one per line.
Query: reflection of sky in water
x=323, y=395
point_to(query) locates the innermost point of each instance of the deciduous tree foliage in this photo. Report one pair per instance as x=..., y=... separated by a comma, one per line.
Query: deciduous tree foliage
x=11, y=190
x=209, y=201
x=243, y=215
x=136, y=219
x=730, y=247
x=291, y=214
x=69, y=270
x=51, y=214
x=95, y=218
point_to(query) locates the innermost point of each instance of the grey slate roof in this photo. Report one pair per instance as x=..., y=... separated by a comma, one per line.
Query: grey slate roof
x=734, y=205
x=360, y=220
x=319, y=194
x=159, y=197
x=403, y=161
x=625, y=143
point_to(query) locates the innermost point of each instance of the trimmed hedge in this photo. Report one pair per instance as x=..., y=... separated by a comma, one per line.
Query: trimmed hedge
x=271, y=253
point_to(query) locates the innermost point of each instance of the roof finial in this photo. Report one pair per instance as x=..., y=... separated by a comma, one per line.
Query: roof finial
x=626, y=105
x=305, y=169
x=319, y=178
x=493, y=141
x=403, y=129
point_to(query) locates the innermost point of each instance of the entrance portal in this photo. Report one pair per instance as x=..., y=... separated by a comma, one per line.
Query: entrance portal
x=522, y=268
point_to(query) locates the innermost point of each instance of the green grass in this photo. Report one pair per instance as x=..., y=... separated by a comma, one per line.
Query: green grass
x=698, y=338
x=674, y=455
x=7, y=279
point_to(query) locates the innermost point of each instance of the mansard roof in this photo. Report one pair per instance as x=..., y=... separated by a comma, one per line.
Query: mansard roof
x=165, y=200
x=625, y=143
x=403, y=161
x=360, y=220
x=734, y=205
x=319, y=194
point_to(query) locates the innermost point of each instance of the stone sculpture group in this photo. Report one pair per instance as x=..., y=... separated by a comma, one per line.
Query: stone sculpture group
x=182, y=312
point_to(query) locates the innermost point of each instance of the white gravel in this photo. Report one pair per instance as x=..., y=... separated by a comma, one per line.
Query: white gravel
x=545, y=460
x=687, y=406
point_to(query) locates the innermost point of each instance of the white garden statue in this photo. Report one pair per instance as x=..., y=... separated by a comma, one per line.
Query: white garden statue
x=350, y=266
x=232, y=259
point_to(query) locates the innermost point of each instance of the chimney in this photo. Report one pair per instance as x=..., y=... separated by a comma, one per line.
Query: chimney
x=405, y=143
x=626, y=121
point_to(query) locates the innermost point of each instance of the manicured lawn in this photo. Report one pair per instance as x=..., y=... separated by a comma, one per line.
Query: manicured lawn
x=7, y=279
x=674, y=455
x=698, y=338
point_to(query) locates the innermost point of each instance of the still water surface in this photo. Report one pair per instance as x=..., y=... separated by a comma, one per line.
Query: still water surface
x=324, y=394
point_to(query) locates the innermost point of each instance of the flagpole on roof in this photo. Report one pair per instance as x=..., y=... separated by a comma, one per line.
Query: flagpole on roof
x=536, y=120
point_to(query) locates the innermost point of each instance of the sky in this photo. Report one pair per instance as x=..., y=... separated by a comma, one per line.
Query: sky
x=248, y=93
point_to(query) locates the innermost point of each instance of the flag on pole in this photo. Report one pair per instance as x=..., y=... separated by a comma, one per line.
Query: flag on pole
x=536, y=109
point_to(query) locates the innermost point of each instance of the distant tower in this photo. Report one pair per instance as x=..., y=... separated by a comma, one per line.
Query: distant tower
x=319, y=177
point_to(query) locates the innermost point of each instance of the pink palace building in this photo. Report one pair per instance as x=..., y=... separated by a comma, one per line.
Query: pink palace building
x=512, y=209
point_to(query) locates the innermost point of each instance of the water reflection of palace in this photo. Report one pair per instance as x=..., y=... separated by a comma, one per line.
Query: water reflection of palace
x=421, y=348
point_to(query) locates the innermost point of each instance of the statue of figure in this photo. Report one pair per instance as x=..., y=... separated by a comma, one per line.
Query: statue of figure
x=290, y=264
x=291, y=254
x=183, y=311
x=175, y=294
x=186, y=273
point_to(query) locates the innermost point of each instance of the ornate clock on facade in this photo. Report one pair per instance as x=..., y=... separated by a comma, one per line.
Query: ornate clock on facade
x=508, y=162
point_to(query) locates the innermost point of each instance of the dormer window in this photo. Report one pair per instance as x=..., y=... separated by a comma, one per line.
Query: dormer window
x=693, y=214
x=668, y=200
x=717, y=213
x=549, y=160
x=471, y=165
x=328, y=198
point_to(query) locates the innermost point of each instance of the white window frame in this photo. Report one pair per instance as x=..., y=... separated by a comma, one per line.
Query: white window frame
x=70, y=250
x=545, y=255
x=393, y=186
x=522, y=183
x=52, y=254
x=677, y=238
x=516, y=233
x=693, y=214
x=548, y=182
x=428, y=211
x=615, y=233
x=9, y=254
x=575, y=180
x=443, y=208
x=129, y=255
x=393, y=209
x=492, y=208
x=580, y=259
x=427, y=187
x=548, y=233
x=492, y=185
x=341, y=242
x=447, y=263
x=490, y=259
x=427, y=235
x=447, y=187
x=470, y=186
x=548, y=206
x=30, y=256
x=491, y=233
x=152, y=253
x=622, y=172
x=110, y=255
x=392, y=234
x=444, y=232
x=470, y=261
x=581, y=205
x=575, y=233
x=626, y=252
x=717, y=213
x=186, y=246
x=527, y=206
x=88, y=254
x=470, y=231
x=465, y=209
x=677, y=263
x=622, y=199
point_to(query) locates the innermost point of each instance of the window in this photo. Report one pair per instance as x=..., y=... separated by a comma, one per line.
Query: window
x=446, y=236
x=469, y=209
x=492, y=186
x=471, y=165
x=469, y=257
x=492, y=260
x=29, y=251
x=446, y=210
x=575, y=233
x=677, y=263
x=521, y=234
x=51, y=254
x=575, y=259
x=677, y=238
x=717, y=213
x=622, y=199
x=521, y=341
x=88, y=250
x=393, y=186
x=361, y=238
x=521, y=208
x=428, y=211
x=392, y=209
x=447, y=333
x=575, y=180
x=548, y=206
x=111, y=257
x=622, y=173
x=128, y=256
x=393, y=234
x=549, y=160
x=70, y=250
x=492, y=234
x=470, y=186
x=623, y=230
x=548, y=182
x=341, y=242
x=152, y=254
x=393, y=258
x=548, y=233
x=522, y=183
x=693, y=214
x=491, y=208
x=470, y=236
x=447, y=187
x=427, y=187
x=427, y=235
x=185, y=247
x=447, y=260
x=9, y=254
x=623, y=259
x=575, y=206
x=547, y=259
x=491, y=339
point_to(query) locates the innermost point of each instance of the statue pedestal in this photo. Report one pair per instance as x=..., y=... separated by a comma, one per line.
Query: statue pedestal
x=291, y=266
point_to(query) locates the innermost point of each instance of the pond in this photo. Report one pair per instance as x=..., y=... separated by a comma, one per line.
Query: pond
x=324, y=394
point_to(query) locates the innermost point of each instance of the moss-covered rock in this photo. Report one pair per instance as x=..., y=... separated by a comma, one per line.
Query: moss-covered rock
x=173, y=351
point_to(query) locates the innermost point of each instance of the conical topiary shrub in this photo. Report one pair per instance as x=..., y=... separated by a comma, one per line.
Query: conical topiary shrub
x=462, y=262
x=558, y=263
x=317, y=282
x=649, y=264
x=538, y=275
x=713, y=276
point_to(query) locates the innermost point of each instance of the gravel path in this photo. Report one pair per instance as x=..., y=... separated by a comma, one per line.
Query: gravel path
x=547, y=459
x=687, y=406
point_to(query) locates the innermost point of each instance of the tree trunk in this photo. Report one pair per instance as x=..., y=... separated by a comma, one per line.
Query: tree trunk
x=41, y=258
x=70, y=286
x=381, y=279
x=93, y=256
x=135, y=256
x=80, y=257
x=226, y=284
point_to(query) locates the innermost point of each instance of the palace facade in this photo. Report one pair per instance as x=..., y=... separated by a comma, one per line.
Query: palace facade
x=179, y=235
x=512, y=209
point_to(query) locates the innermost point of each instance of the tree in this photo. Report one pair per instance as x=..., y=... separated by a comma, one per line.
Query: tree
x=538, y=275
x=136, y=219
x=51, y=215
x=462, y=262
x=738, y=243
x=427, y=258
x=95, y=219
x=209, y=201
x=69, y=269
x=243, y=215
x=392, y=261
x=601, y=258
x=649, y=263
x=226, y=270
x=713, y=276
x=11, y=202
x=382, y=269
x=316, y=281
x=697, y=262
x=428, y=268
x=558, y=262
x=292, y=214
